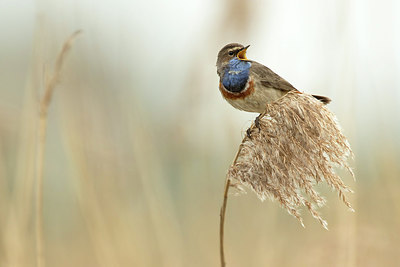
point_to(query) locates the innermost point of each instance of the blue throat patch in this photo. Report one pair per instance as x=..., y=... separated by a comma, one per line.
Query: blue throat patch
x=236, y=75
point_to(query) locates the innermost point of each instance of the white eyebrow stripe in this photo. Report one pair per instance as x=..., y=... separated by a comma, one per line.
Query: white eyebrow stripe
x=234, y=49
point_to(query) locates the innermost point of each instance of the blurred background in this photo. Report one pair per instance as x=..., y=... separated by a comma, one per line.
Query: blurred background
x=139, y=138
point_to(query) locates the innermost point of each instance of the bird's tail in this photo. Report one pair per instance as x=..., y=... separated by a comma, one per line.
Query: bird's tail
x=323, y=99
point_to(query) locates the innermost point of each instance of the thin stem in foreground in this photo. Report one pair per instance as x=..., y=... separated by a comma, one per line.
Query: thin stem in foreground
x=223, y=211
x=225, y=200
x=40, y=150
x=222, y=221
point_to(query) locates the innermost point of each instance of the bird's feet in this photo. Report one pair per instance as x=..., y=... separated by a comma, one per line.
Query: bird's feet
x=256, y=124
x=248, y=132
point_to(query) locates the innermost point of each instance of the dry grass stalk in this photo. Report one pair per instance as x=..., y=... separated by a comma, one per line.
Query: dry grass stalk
x=50, y=84
x=297, y=146
x=222, y=214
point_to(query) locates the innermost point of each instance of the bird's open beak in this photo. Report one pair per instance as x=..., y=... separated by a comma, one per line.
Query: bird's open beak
x=242, y=53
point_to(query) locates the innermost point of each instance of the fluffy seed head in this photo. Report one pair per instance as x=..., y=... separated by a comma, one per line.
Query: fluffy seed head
x=297, y=145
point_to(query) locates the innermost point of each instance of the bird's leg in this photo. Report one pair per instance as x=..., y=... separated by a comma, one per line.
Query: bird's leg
x=257, y=122
x=248, y=132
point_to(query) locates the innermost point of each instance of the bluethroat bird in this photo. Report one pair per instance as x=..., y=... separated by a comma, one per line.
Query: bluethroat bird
x=248, y=85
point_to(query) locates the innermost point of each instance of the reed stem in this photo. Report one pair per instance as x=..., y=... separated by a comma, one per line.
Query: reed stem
x=222, y=221
x=50, y=84
x=225, y=200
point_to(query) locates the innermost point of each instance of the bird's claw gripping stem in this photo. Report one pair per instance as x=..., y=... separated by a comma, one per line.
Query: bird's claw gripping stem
x=257, y=122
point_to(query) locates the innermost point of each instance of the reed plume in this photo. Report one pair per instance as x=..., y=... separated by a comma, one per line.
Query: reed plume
x=296, y=145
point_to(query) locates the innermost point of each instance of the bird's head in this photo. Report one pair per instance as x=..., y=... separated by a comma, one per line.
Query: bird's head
x=231, y=51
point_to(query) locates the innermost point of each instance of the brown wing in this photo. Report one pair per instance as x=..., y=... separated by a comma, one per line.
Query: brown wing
x=270, y=79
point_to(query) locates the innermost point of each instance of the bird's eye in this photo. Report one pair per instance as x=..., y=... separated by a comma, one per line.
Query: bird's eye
x=231, y=53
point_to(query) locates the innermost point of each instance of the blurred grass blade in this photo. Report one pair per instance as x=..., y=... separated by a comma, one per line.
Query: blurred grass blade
x=50, y=84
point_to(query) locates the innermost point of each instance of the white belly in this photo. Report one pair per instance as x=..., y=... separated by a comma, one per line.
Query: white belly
x=257, y=101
